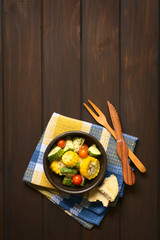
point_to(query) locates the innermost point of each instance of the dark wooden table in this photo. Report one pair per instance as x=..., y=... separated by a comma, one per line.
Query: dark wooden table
x=55, y=54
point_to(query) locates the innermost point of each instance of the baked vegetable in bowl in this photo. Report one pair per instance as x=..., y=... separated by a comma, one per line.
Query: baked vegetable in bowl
x=75, y=162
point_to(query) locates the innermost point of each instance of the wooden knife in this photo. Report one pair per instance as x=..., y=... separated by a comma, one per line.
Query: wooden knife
x=122, y=149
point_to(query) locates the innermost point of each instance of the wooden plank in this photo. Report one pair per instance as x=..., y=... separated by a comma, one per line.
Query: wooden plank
x=1, y=128
x=61, y=50
x=22, y=98
x=61, y=89
x=100, y=44
x=159, y=145
x=100, y=78
x=159, y=156
x=139, y=113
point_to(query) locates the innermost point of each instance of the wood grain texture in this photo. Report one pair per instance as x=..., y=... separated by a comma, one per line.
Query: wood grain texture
x=61, y=89
x=100, y=79
x=100, y=53
x=54, y=55
x=61, y=57
x=22, y=103
x=101, y=119
x=122, y=151
x=1, y=127
x=139, y=113
x=131, y=154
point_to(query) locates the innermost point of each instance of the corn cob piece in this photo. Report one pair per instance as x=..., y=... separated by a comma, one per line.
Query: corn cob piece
x=89, y=167
x=70, y=158
x=56, y=166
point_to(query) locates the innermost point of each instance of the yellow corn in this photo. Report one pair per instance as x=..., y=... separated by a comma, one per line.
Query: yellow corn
x=89, y=167
x=70, y=158
x=56, y=166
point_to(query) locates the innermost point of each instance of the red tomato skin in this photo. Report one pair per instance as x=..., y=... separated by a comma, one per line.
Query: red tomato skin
x=83, y=153
x=85, y=146
x=61, y=143
x=77, y=179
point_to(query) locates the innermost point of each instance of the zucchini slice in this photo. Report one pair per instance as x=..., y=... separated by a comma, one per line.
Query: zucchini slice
x=55, y=154
x=93, y=151
x=68, y=172
x=68, y=146
x=83, y=181
x=77, y=143
x=68, y=182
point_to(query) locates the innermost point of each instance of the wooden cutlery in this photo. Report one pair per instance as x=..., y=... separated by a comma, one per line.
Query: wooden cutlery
x=101, y=119
x=122, y=149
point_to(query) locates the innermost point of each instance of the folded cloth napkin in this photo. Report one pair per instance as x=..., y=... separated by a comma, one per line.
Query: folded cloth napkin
x=85, y=212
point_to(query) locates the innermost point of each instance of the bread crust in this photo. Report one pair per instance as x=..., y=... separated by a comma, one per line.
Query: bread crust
x=105, y=193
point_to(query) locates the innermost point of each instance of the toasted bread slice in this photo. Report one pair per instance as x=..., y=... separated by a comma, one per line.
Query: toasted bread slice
x=109, y=188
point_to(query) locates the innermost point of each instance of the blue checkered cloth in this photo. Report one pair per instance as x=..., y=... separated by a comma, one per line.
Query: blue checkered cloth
x=85, y=212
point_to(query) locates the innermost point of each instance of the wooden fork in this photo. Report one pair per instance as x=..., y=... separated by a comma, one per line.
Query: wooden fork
x=101, y=119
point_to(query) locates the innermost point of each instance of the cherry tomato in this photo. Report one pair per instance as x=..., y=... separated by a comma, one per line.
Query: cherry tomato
x=85, y=146
x=83, y=153
x=61, y=143
x=77, y=179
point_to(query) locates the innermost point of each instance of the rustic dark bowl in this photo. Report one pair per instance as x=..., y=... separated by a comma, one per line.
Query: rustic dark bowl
x=56, y=180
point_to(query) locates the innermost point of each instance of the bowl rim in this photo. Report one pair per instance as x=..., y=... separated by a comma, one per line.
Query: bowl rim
x=74, y=191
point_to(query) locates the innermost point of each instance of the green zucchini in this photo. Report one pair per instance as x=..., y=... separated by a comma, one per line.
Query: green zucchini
x=77, y=143
x=68, y=172
x=68, y=146
x=68, y=182
x=93, y=151
x=78, y=165
x=55, y=154
x=83, y=181
x=79, y=162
